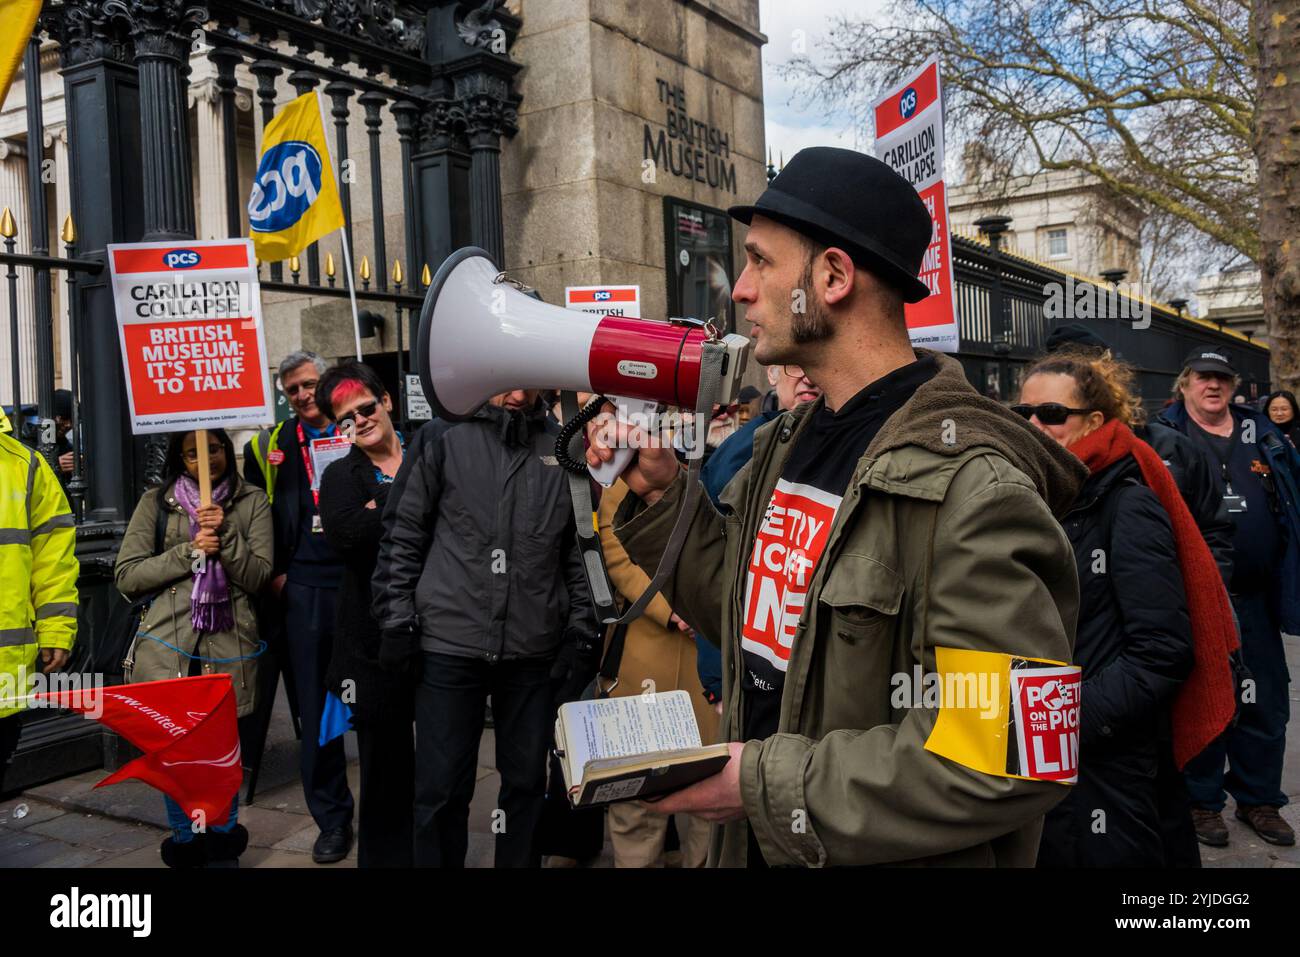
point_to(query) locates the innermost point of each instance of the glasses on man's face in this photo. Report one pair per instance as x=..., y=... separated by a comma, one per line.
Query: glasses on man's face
x=309, y=385
x=794, y=372
x=192, y=455
x=366, y=411
x=1049, y=413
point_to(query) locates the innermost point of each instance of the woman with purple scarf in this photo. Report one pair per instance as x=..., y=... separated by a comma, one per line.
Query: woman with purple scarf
x=201, y=619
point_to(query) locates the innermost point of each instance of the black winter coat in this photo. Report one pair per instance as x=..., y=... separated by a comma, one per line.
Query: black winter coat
x=1193, y=473
x=354, y=529
x=480, y=557
x=1134, y=643
x=289, y=476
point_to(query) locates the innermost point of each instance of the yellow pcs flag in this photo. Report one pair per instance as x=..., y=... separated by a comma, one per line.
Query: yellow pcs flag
x=18, y=18
x=295, y=199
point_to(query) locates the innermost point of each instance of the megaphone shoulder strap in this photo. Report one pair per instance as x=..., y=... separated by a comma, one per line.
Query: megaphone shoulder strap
x=713, y=356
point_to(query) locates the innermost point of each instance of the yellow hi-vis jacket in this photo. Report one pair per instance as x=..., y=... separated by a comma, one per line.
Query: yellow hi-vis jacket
x=38, y=569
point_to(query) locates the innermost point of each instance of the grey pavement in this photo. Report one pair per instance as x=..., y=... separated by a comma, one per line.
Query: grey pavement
x=71, y=823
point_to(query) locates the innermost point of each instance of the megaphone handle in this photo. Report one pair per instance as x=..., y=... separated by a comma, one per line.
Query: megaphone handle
x=626, y=410
x=713, y=355
x=607, y=473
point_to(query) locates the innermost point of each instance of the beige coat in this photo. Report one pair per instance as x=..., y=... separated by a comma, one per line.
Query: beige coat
x=655, y=650
x=246, y=557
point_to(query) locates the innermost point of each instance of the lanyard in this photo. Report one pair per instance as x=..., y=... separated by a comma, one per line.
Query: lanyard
x=307, y=464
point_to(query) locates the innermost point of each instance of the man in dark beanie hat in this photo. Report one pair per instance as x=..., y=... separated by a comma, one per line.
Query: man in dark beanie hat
x=1073, y=335
x=886, y=531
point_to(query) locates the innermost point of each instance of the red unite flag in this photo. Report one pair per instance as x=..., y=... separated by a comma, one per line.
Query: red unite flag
x=187, y=730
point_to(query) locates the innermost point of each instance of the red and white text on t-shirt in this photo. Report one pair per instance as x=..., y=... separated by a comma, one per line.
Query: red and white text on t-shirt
x=789, y=543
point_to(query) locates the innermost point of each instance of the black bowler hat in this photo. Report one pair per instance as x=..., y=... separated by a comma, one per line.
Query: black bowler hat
x=1207, y=359
x=848, y=199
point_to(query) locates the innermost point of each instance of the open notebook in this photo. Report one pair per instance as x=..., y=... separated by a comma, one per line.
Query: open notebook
x=644, y=746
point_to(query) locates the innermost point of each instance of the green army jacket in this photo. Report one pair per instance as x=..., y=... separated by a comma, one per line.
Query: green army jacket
x=946, y=536
x=165, y=627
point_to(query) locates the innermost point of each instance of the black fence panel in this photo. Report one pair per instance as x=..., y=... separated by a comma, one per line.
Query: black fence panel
x=1004, y=317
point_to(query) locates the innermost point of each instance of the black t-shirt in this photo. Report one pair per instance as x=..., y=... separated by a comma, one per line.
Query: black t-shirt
x=795, y=529
x=1240, y=473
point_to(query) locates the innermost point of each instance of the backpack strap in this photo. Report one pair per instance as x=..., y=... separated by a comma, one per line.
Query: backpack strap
x=161, y=512
x=160, y=520
x=612, y=661
x=262, y=457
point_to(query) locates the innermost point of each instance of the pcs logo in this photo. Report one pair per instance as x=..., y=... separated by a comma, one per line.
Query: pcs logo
x=907, y=102
x=602, y=296
x=180, y=258
x=288, y=181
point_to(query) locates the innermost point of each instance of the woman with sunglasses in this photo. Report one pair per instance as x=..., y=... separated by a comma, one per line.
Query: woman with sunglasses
x=353, y=493
x=201, y=620
x=1151, y=601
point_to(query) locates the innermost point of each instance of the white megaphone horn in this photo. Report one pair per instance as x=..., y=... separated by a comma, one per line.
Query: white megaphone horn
x=481, y=335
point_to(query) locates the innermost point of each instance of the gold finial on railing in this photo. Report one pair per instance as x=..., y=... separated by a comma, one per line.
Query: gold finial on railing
x=293, y=267
x=425, y=276
x=329, y=265
x=69, y=230
x=365, y=269
x=8, y=228
x=397, y=272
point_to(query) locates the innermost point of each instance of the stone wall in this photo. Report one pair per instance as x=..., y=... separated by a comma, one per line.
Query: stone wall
x=584, y=180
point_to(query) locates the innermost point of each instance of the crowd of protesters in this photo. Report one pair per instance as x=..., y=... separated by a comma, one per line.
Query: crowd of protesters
x=418, y=583
x=421, y=577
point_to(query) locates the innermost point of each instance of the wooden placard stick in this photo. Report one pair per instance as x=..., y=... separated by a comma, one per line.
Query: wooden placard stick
x=205, y=467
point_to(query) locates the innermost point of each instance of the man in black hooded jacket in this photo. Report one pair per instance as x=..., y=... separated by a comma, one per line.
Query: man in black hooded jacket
x=479, y=583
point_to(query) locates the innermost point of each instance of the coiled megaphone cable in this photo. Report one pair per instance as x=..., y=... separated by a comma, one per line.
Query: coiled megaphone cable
x=570, y=430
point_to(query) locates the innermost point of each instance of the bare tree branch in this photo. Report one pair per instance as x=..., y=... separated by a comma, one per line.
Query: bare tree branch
x=1155, y=98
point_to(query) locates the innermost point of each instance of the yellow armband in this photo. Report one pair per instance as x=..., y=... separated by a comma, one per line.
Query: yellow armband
x=1006, y=715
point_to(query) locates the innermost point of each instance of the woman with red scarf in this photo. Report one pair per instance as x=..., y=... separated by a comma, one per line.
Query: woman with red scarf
x=1154, y=628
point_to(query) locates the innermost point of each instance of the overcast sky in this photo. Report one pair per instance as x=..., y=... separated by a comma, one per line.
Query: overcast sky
x=792, y=125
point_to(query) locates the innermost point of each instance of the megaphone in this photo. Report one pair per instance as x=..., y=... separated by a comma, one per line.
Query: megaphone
x=480, y=335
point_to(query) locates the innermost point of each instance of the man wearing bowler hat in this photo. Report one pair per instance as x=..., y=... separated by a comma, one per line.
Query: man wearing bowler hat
x=898, y=526
x=1256, y=471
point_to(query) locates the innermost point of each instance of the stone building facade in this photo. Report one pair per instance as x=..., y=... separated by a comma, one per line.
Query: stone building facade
x=639, y=124
x=1232, y=298
x=1061, y=218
